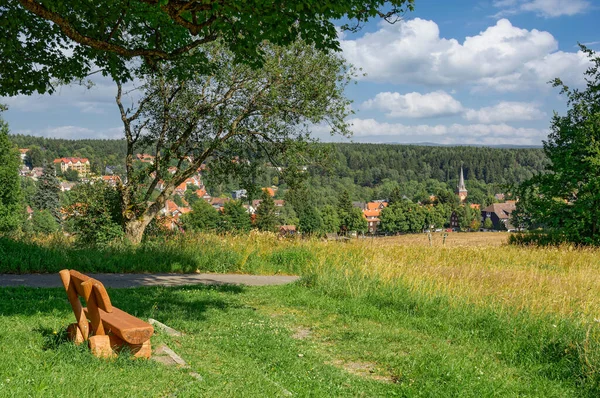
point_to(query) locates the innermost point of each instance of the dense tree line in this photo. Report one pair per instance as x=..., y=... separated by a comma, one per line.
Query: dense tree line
x=367, y=171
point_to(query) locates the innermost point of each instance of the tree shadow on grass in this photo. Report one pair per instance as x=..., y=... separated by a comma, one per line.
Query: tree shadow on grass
x=189, y=302
x=52, y=339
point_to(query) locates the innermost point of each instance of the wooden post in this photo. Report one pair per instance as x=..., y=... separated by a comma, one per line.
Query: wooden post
x=92, y=307
x=82, y=321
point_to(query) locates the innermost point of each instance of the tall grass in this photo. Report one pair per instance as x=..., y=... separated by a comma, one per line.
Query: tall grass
x=535, y=304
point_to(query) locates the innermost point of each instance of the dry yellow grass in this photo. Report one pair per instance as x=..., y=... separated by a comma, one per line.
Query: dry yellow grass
x=480, y=268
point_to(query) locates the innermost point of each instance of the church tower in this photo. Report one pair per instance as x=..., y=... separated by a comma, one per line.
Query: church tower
x=461, y=190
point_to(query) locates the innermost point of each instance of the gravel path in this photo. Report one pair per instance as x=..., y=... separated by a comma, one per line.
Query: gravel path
x=137, y=280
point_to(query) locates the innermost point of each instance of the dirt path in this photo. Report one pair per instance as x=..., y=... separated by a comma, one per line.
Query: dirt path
x=137, y=280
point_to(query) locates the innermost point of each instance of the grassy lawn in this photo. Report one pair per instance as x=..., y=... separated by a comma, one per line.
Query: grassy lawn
x=384, y=317
x=277, y=341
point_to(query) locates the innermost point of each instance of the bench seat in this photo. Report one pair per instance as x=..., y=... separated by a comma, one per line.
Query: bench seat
x=125, y=326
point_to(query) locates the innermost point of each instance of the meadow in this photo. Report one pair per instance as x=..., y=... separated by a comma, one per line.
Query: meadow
x=467, y=315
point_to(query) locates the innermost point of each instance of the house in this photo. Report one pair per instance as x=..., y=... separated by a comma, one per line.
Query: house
x=475, y=206
x=81, y=165
x=287, y=230
x=454, y=220
x=219, y=203
x=373, y=220
x=372, y=211
x=499, y=197
x=29, y=212
x=36, y=173
x=23, y=153
x=239, y=194
x=66, y=186
x=270, y=191
x=145, y=158
x=112, y=180
x=500, y=214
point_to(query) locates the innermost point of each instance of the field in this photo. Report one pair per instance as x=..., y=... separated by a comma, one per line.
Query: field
x=397, y=316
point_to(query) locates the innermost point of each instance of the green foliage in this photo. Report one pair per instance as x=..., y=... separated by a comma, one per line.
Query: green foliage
x=566, y=201
x=266, y=219
x=71, y=175
x=10, y=187
x=47, y=194
x=402, y=217
x=331, y=221
x=310, y=221
x=344, y=211
x=35, y=157
x=235, y=218
x=488, y=224
x=203, y=217
x=37, y=37
x=94, y=213
x=43, y=222
x=436, y=216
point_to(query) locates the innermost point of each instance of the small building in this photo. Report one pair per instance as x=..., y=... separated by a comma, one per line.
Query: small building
x=145, y=158
x=239, y=194
x=66, y=186
x=499, y=214
x=23, y=153
x=112, y=180
x=287, y=230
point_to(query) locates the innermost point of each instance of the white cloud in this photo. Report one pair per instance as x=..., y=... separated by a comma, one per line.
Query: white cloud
x=505, y=111
x=415, y=105
x=544, y=8
x=481, y=134
x=502, y=57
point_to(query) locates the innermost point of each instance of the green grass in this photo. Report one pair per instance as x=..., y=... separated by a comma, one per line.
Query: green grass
x=179, y=254
x=241, y=341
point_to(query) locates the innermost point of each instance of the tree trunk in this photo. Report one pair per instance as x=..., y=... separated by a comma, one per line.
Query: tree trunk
x=134, y=229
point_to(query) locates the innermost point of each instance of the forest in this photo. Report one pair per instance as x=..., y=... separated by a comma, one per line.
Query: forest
x=366, y=171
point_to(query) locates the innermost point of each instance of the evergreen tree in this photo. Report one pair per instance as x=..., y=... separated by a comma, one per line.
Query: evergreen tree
x=266, y=220
x=344, y=211
x=47, y=195
x=43, y=222
x=331, y=221
x=310, y=221
x=235, y=217
x=203, y=217
x=10, y=186
x=357, y=221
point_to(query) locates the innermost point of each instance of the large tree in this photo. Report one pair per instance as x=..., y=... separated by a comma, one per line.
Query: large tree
x=47, y=194
x=266, y=219
x=44, y=41
x=565, y=201
x=231, y=119
x=10, y=187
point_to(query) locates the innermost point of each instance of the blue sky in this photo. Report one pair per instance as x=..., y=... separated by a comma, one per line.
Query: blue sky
x=453, y=72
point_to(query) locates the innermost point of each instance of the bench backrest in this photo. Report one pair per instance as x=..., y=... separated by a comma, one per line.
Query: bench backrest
x=85, y=286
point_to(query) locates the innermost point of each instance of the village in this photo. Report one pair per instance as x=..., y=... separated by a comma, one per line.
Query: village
x=496, y=216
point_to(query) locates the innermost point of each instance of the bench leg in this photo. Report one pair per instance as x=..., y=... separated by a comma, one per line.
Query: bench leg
x=74, y=334
x=143, y=350
x=100, y=346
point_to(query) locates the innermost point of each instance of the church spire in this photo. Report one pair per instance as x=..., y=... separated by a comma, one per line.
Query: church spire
x=461, y=181
x=461, y=189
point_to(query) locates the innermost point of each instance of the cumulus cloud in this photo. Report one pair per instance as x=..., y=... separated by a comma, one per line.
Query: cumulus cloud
x=544, y=8
x=502, y=57
x=505, y=111
x=478, y=133
x=415, y=105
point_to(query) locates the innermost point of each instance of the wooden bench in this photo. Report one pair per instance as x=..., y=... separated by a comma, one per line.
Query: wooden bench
x=109, y=329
